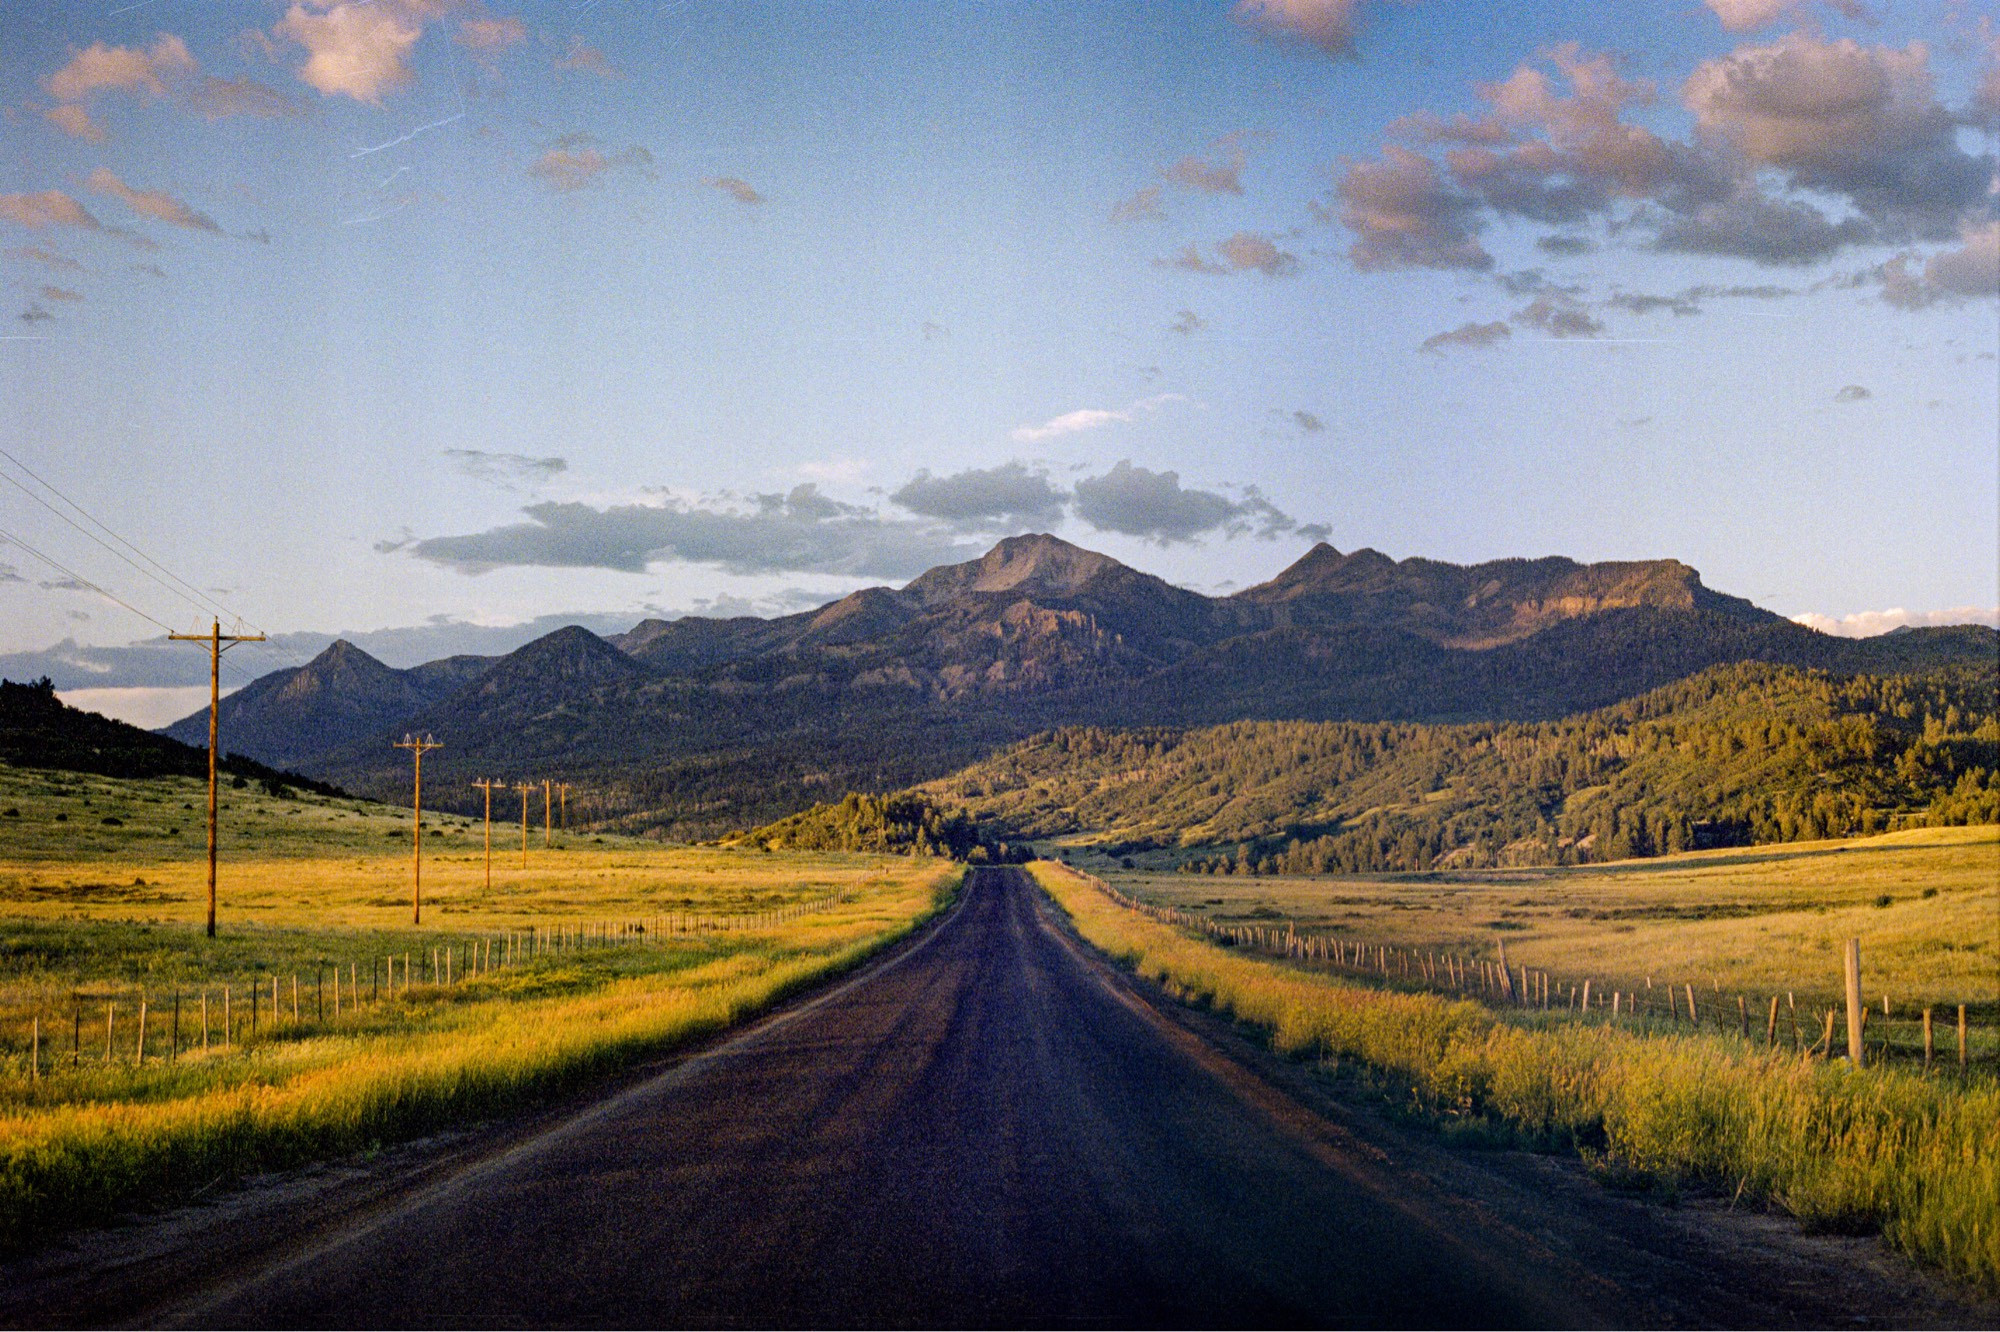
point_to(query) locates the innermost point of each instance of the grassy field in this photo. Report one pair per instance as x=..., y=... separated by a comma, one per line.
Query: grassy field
x=599, y=952
x=1925, y=905
x=1892, y=1148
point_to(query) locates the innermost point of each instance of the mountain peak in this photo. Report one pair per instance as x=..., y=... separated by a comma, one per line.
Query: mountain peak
x=1478, y=605
x=572, y=654
x=1035, y=564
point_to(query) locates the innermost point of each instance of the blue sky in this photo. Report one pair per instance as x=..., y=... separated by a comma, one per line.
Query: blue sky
x=425, y=316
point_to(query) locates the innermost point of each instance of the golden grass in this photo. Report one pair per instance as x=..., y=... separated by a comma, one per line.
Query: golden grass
x=90, y=1135
x=1914, y=1155
x=1758, y=920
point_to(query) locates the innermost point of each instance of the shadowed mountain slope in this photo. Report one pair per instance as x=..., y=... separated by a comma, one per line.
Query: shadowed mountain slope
x=696, y=726
x=290, y=718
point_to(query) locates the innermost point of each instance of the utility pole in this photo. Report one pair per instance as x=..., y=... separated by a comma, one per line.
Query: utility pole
x=487, y=786
x=548, y=836
x=524, y=788
x=418, y=748
x=218, y=643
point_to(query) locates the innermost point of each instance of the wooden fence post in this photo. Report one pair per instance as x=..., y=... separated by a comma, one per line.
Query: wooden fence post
x=1743, y=1016
x=139, y=1056
x=1771, y=1027
x=1851, y=956
x=1930, y=1048
x=1688, y=987
x=109, y=1009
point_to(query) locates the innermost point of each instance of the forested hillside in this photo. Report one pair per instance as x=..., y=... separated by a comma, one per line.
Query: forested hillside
x=1734, y=755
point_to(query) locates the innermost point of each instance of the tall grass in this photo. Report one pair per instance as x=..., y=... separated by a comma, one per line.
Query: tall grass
x=75, y=1161
x=1916, y=1157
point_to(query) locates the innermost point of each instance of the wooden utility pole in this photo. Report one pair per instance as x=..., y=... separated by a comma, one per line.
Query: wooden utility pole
x=218, y=643
x=487, y=786
x=1852, y=957
x=548, y=821
x=418, y=748
x=524, y=788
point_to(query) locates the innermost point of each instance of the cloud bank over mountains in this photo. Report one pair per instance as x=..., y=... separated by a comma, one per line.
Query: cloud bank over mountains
x=805, y=531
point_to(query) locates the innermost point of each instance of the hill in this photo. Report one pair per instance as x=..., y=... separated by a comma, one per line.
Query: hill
x=39, y=730
x=1734, y=755
x=293, y=717
x=696, y=726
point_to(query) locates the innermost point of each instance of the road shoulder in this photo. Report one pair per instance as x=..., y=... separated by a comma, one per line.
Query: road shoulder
x=1697, y=1261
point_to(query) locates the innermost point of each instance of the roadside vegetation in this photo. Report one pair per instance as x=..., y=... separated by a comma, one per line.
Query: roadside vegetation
x=599, y=953
x=1908, y=1152
x=1925, y=905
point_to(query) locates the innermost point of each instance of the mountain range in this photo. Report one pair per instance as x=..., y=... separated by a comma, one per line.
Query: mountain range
x=693, y=726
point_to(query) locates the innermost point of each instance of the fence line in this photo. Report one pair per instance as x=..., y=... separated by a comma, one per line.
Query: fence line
x=334, y=989
x=1495, y=982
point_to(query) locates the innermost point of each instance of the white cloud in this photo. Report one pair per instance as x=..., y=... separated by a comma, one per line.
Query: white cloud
x=1749, y=15
x=1090, y=418
x=1867, y=624
x=358, y=50
x=1327, y=24
x=143, y=73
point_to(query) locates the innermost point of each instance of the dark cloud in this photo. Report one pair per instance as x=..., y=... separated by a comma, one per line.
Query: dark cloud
x=800, y=532
x=1404, y=214
x=1558, y=317
x=1844, y=119
x=1155, y=507
x=1971, y=270
x=1466, y=335
x=1186, y=323
x=1852, y=393
x=1565, y=247
x=506, y=469
x=1769, y=231
x=1643, y=303
x=1307, y=422
x=1802, y=149
x=34, y=314
x=1001, y=496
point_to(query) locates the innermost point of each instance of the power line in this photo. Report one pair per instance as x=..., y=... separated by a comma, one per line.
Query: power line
x=73, y=574
x=210, y=603
x=205, y=602
x=198, y=605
